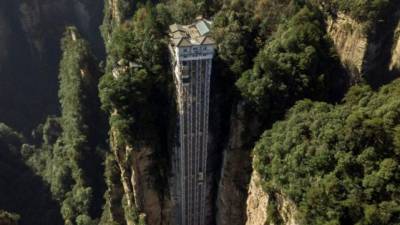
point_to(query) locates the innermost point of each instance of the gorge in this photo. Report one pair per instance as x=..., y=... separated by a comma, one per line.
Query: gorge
x=303, y=123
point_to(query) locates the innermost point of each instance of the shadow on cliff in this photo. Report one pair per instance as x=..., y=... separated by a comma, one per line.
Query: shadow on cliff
x=381, y=43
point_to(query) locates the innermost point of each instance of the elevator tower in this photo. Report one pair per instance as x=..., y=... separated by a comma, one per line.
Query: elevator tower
x=192, y=51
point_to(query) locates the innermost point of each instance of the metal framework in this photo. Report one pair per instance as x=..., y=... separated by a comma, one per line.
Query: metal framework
x=192, y=51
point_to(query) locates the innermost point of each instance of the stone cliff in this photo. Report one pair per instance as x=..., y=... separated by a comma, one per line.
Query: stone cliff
x=350, y=42
x=137, y=181
x=235, y=174
x=367, y=52
x=134, y=196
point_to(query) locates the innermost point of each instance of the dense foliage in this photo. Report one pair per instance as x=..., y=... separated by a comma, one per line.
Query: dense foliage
x=135, y=93
x=370, y=13
x=340, y=164
x=68, y=159
x=131, y=97
x=19, y=186
x=241, y=28
x=298, y=62
x=8, y=218
x=362, y=10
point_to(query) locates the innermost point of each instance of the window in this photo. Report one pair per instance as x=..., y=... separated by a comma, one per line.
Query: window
x=185, y=50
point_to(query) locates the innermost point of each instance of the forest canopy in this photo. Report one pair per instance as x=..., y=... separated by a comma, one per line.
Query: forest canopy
x=340, y=164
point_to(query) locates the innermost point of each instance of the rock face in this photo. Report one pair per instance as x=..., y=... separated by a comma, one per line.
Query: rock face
x=235, y=176
x=395, y=59
x=350, y=42
x=155, y=206
x=368, y=53
x=30, y=33
x=258, y=201
x=138, y=184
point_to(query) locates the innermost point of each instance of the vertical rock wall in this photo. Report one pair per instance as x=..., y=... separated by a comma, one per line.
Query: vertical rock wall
x=367, y=54
x=350, y=42
x=235, y=175
x=139, y=185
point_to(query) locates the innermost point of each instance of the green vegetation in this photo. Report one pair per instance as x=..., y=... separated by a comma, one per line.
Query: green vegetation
x=241, y=28
x=297, y=63
x=8, y=218
x=184, y=11
x=68, y=159
x=135, y=93
x=363, y=10
x=19, y=186
x=369, y=12
x=340, y=164
x=114, y=15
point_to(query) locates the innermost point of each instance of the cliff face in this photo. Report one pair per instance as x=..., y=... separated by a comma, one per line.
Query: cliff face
x=350, y=42
x=258, y=202
x=235, y=175
x=241, y=199
x=367, y=53
x=30, y=40
x=139, y=194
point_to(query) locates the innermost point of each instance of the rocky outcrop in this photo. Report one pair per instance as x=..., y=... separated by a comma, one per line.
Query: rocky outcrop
x=115, y=13
x=395, y=59
x=368, y=49
x=139, y=185
x=351, y=43
x=148, y=200
x=258, y=203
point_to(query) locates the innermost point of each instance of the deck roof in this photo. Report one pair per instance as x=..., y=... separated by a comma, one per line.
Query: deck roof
x=197, y=33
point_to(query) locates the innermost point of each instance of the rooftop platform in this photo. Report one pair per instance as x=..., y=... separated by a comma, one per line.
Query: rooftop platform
x=197, y=33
